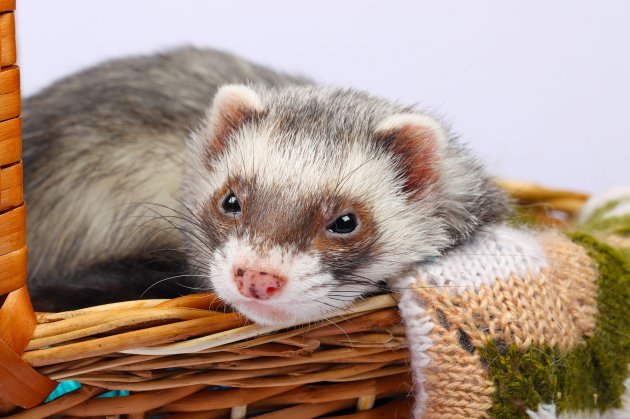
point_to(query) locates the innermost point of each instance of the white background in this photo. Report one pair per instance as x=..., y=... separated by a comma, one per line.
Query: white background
x=539, y=89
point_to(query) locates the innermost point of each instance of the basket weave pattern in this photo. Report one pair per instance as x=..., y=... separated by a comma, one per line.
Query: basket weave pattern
x=170, y=353
x=19, y=383
x=345, y=362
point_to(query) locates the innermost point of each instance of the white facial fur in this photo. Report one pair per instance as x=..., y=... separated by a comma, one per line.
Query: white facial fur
x=304, y=298
x=308, y=294
x=405, y=231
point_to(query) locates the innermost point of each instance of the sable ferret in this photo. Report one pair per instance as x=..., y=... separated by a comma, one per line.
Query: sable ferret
x=287, y=199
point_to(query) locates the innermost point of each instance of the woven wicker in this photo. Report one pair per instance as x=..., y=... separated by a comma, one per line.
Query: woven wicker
x=169, y=353
x=180, y=359
x=19, y=383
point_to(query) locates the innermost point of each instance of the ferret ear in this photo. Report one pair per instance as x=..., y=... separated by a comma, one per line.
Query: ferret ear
x=233, y=105
x=420, y=141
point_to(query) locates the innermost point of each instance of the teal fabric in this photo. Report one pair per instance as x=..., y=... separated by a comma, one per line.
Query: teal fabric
x=69, y=386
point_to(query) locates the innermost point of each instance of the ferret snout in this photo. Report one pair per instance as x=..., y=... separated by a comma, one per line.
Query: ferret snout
x=257, y=284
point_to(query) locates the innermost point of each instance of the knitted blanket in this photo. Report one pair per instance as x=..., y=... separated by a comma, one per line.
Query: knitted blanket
x=526, y=323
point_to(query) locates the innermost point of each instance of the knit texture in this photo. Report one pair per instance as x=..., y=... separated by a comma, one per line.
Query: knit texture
x=524, y=323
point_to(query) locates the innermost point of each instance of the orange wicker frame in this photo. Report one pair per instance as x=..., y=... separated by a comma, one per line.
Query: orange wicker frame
x=354, y=364
x=20, y=384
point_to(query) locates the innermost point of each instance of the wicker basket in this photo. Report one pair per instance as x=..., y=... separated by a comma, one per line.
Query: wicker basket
x=177, y=358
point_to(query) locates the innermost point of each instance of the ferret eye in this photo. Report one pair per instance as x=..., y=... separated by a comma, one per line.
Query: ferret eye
x=231, y=205
x=343, y=225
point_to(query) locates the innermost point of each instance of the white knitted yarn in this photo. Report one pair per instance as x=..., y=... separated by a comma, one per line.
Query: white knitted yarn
x=418, y=326
x=496, y=251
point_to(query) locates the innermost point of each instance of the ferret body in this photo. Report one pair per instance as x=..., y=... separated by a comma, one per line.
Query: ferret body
x=288, y=199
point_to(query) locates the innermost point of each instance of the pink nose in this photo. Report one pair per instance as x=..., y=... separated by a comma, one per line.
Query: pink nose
x=257, y=284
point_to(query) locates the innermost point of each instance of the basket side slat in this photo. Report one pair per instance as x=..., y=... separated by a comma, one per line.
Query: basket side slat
x=20, y=384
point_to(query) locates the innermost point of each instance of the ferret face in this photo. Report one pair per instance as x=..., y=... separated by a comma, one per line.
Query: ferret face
x=306, y=199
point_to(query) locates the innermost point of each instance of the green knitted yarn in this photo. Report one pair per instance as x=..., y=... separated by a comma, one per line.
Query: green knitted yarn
x=523, y=378
x=590, y=377
x=606, y=356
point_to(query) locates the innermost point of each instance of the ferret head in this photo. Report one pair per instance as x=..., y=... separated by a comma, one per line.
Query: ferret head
x=303, y=199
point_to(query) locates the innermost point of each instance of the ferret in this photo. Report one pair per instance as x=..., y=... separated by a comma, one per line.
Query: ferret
x=288, y=199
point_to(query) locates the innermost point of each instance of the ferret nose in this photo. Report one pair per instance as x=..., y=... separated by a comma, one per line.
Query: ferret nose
x=257, y=284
